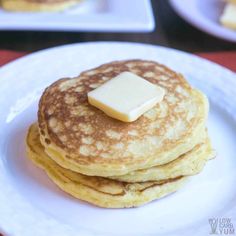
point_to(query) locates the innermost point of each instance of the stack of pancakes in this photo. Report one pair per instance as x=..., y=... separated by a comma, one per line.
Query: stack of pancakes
x=37, y=5
x=115, y=164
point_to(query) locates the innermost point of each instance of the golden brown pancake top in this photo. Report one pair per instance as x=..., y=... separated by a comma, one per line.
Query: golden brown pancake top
x=69, y=122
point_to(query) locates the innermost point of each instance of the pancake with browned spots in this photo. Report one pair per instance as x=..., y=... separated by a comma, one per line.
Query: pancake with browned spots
x=82, y=138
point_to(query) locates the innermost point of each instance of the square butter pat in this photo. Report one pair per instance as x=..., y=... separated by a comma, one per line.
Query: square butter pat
x=228, y=18
x=126, y=97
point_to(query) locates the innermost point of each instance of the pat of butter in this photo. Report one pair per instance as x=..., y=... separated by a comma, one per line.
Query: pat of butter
x=126, y=97
x=228, y=18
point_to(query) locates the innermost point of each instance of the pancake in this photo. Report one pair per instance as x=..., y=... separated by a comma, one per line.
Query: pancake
x=100, y=191
x=82, y=138
x=190, y=163
x=231, y=1
x=38, y=5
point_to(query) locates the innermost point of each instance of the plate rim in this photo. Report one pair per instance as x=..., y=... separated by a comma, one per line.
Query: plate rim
x=200, y=23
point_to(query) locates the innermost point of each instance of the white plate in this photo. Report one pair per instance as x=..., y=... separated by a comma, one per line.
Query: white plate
x=30, y=202
x=204, y=14
x=90, y=15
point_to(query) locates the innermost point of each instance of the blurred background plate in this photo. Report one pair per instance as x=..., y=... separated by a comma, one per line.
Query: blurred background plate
x=89, y=15
x=204, y=14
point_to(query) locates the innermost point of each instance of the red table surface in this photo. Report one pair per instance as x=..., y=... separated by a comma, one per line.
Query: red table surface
x=226, y=59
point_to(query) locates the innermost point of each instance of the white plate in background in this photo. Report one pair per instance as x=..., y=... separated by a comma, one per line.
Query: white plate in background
x=204, y=14
x=89, y=15
x=30, y=204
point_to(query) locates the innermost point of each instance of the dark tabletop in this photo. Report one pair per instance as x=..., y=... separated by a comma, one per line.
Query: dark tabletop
x=171, y=31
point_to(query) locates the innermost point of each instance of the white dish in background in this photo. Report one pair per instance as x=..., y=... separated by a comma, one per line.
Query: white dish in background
x=204, y=14
x=30, y=202
x=89, y=15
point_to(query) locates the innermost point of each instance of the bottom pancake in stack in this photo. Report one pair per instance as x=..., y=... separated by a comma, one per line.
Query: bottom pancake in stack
x=134, y=189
